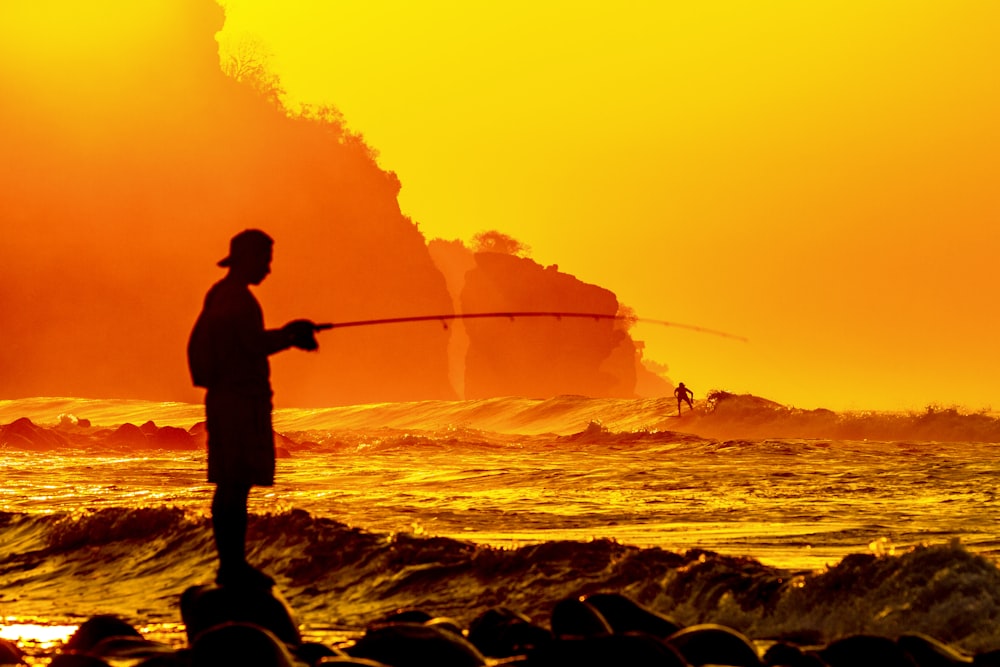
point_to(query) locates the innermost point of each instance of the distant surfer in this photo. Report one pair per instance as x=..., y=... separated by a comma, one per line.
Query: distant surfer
x=683, y=394
x=228, y=355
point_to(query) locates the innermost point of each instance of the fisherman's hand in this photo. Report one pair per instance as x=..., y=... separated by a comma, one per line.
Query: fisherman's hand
x=301, y=334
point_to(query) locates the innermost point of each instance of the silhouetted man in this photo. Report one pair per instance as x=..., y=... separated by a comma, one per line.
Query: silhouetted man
x=683, y=394
x=228, y=355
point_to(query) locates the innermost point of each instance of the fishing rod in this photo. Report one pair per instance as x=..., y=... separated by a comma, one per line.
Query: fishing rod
x=511, y=315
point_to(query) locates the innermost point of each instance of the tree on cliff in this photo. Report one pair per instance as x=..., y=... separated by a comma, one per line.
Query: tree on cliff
x=627, y=316
x=247, y=59
x=494, y=241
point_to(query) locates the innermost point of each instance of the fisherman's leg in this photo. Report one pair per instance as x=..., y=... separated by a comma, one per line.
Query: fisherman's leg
x=229, y=523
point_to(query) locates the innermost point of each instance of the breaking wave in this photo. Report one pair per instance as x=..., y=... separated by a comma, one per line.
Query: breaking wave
x=43, y=423
x=338, y=576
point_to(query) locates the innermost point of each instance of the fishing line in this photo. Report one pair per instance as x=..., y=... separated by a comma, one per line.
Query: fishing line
x=512, y=315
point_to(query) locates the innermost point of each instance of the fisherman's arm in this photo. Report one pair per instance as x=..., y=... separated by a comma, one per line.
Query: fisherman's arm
x=297, y=333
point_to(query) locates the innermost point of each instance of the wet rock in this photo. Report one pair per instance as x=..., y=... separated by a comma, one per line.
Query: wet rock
x=714, y=644
x=97, y=629
x=788, y=655
x=171, y=437
x=631, y=649
x=503, y=633
x=572, y=617
x=625, y=615
x=239, y=644
x=24, y=434
x=10, y=654
x=207, y=606
x=416, y=645
x=130, y=648
x=77, y=660
x=929, y=652
x=128, y=435
x=864, y=651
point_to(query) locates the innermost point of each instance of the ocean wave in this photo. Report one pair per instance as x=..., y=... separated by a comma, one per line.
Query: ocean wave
x=726, y=415
x=137, y=562
x=45, y=423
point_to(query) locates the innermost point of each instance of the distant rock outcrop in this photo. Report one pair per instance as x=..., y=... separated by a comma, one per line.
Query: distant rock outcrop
x=23, y=434
x=541, y=357
x=537, y=357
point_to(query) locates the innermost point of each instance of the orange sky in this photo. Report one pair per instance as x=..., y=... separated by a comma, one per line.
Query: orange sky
x=819, y=177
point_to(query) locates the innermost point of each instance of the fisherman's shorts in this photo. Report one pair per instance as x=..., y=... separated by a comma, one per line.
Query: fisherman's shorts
x=240, y=439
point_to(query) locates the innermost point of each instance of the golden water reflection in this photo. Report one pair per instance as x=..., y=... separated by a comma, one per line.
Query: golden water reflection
x=35, y=639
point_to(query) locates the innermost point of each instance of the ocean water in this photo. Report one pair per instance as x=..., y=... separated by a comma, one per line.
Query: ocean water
x=765, y=518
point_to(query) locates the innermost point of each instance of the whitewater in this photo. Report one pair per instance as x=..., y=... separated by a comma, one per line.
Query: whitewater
x=768, y=519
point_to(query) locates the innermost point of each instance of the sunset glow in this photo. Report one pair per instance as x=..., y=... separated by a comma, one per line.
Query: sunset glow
x=818, y=178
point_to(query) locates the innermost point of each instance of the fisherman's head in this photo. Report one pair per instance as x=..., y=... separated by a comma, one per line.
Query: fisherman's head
x=249, y=256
